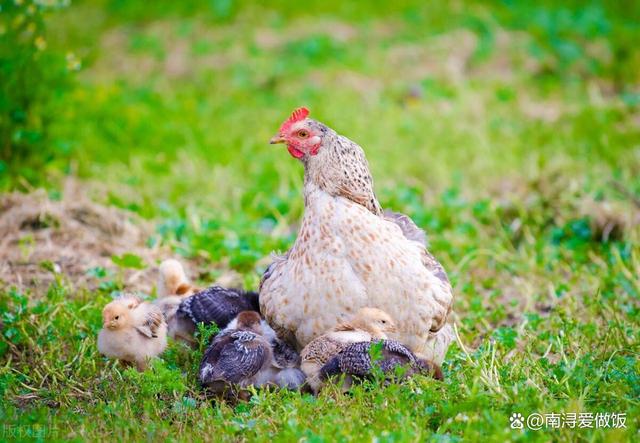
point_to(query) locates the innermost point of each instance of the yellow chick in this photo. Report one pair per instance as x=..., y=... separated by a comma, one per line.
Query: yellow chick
x=367, y=324
x=173, y=288
x=133, y=331
x=173, y=280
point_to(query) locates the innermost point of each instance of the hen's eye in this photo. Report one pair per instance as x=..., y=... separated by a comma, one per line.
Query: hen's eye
x=303, y=133
x=384, y=321
x=117, y=317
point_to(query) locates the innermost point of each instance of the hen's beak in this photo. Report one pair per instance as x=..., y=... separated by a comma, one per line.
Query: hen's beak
x=276, y=139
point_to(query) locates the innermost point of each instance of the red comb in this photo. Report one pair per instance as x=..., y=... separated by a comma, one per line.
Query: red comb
x=296, y=116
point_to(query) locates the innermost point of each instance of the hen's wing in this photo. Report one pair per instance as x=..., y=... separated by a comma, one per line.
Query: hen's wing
x=152, y=321
x=412, y=232
x=218, y=305
x=233, y=358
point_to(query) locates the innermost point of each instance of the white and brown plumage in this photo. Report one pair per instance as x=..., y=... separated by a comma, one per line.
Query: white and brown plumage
x=350, y=254
x=355, y=362
x=134, y=331
x=367, y=324
x=242, y=357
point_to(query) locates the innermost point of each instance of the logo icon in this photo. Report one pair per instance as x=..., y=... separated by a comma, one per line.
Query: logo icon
x=517, y=420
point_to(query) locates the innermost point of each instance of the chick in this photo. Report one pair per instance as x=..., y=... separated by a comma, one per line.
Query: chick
x=367, y=324
x=284, y=371
x=215, y=305
x=179, y=327
x=133, y=331
x=237, y=358
x=355, y=362
x=173, y=280
x=284, y=355
x=173, y=288
x=219, y=305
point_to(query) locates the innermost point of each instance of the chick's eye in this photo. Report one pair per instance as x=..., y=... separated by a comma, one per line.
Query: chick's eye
x=117, y=317
x=384, y=321
x=303, y=133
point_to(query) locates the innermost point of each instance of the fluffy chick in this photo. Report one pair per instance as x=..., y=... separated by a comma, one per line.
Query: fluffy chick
x=284, y=355
x=215, y=305
x=237, y=358
x=367, y=324
x=355, y=362
x=173, y=280
x=173, y=288
x=133, y=331
x=284, y=371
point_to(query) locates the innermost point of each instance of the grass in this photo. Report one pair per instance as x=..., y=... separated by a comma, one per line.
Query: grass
x=509, y=131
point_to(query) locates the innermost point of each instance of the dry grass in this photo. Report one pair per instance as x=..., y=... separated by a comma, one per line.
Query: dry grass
x=69, y=236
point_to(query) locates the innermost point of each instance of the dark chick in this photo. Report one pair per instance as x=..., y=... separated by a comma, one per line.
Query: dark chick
x=355, y=362
x=243, y=356
x=284, y=355
x=214, y=305
x=237, y=357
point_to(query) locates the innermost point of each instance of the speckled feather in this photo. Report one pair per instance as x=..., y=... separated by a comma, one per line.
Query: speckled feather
x=355, y=360
x=236, y=358
x=349, y=254
x=321, y=349
x=218, y=305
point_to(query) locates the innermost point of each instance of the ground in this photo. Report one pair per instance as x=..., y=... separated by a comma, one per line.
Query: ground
x=509, y=131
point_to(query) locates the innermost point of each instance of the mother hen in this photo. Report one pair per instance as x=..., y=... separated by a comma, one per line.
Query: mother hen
x=350, y=254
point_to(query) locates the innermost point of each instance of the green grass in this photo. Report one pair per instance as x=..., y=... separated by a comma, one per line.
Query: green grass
x=503, y=129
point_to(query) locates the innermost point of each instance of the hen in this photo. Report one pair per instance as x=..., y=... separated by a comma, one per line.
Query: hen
x=350, y=254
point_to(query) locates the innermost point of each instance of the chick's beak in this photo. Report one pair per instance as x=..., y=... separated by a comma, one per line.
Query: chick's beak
x=276, y=139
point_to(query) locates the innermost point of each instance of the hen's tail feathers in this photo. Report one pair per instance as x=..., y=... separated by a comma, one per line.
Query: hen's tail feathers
x=173, y=280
